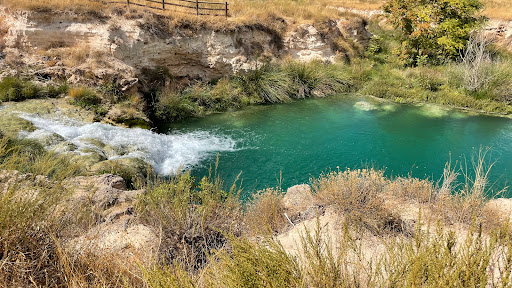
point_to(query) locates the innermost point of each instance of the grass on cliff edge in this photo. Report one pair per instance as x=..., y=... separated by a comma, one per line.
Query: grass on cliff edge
x=242, y=10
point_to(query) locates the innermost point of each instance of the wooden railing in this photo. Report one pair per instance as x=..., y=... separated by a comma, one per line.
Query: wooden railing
x=199, y=7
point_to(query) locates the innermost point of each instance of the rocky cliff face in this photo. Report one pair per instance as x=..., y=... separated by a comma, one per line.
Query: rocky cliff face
x=502, y=31
x=90, y=47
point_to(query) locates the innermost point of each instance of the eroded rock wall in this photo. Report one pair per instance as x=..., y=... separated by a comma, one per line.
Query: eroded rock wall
x=121, y=47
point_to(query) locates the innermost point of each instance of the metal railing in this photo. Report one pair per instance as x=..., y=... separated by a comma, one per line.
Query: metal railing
x=200, y=7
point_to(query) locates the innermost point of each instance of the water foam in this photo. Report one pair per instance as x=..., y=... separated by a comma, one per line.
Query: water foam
x=165, y=152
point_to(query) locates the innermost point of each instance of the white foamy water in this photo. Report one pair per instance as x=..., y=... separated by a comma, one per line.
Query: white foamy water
x=165, y=153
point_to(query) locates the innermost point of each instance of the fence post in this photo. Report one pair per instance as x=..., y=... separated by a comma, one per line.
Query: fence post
x=197, y=7
x=226, y=10
x=163, y=4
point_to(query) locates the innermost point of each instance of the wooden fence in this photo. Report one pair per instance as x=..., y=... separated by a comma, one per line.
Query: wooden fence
x=199, y=7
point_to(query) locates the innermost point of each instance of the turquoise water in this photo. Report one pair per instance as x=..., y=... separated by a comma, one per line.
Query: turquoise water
x=287, y=144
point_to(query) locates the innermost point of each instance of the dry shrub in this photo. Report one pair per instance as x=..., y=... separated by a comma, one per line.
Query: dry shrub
x=76, y=55
x=87, y=269
x=357, y=194
x=265, y=212
x=411, y=188
x=192, y=221
x=3, y=31
x=465, y=203
x=72, y=56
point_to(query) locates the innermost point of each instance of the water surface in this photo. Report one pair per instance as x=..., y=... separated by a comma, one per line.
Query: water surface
x=287, y=144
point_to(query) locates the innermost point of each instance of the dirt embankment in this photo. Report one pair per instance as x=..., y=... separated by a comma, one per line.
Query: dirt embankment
x=87, y=48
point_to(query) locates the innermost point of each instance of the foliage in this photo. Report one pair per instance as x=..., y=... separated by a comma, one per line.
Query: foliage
x=440, y=259
x=269, y=83
x=192, y=219
x=84, y=97
x=254, y=265
x=16, y=89
x=437, y=29
x=265, y=212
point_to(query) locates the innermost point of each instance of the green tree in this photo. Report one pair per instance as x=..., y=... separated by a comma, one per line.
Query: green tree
x=436, y=30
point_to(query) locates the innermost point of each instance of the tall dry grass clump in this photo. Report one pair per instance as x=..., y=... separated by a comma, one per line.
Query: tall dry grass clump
x=192, y=221
x=264, y=214
x=357, y=195
x=465, y=201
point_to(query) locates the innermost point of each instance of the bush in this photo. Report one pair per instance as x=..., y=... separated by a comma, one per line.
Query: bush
x=193, y=221
x=437, y=29
x=269, y=84
x=172, y=106
x=16, y=89
x=357, y=194
x=438, y=260
x=254, y=265
x=315, y=79
x=84, y=98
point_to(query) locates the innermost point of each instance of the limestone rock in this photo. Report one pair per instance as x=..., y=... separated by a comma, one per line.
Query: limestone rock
x=125, y=242
x=123, y=48
x=298, y=197
x=503, y=206
x=102, y=191
x=299, y=203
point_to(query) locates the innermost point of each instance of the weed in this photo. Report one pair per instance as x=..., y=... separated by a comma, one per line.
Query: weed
x=265, y=212
x=85, y=98
x=192, y=220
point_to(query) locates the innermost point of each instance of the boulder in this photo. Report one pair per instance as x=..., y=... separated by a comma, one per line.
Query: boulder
x=102, y=191
x=503, y=206
x=299, y=202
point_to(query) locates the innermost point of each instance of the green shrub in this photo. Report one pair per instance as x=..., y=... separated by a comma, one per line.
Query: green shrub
x=441, y=259
x=55, y=91
x=437, y=29
x=11, y=89
x=112, y=91
x=85, y=98
x=269, y=83
x=254, y=265
x=315, y=79
x=172, y=106
x=229, y=95
x=16, y=89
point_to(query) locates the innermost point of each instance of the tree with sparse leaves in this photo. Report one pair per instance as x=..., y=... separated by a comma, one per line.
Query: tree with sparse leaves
x=433, y=31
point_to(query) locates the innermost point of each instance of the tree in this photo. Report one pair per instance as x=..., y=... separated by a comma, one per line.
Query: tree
x=433, y=30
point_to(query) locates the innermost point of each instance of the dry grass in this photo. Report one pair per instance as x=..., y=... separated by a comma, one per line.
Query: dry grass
x=265, y=213
x=3, y=32
x=498, y=9
x=357, y=195
x=302, y=11
x=72, y=56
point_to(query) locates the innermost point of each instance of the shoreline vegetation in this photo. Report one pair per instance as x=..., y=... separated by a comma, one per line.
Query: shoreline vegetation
x=377, y=71
x=62, y=226
x=385, y=232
